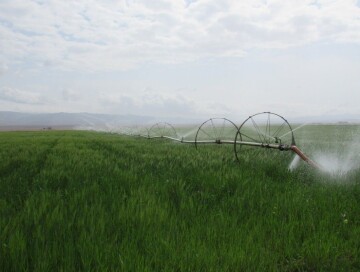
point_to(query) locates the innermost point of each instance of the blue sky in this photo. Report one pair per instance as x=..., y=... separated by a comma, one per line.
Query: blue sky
x=181, y=58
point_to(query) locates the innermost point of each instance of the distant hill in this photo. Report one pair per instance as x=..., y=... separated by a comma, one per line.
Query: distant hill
x=69, y=120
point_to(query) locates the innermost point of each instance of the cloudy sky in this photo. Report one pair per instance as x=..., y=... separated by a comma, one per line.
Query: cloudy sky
x=180, y=58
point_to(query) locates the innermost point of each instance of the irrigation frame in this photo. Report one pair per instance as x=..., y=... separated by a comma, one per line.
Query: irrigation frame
x=262, y=143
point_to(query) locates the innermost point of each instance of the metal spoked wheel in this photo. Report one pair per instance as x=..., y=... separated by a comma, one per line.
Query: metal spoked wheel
x=161, y=130
x=142, y=132
x=217, y=134
x=259, y=133
x=216, y=131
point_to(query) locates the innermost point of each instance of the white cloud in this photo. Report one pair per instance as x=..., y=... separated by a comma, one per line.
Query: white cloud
x=17, y=96
x=70, y=95
x=110, y=35
x=3, y=68
x=247, y=55
x=149, y=103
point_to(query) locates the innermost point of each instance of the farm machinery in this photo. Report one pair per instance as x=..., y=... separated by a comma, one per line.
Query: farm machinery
x=265, y=130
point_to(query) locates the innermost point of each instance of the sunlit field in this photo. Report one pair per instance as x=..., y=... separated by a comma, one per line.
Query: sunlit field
x=78, y=200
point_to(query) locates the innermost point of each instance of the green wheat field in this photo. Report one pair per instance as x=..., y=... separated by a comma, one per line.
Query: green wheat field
x=91, y=201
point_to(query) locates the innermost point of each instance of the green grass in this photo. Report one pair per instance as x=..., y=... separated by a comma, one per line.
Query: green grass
x=76, y=200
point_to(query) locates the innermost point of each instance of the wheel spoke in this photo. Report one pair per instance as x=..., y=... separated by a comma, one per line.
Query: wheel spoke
x=257, y=129
x=214, y=129
x=260, y=132
x=206, y=133
x=268, y=127
x=222, y=129
x=256, y=141
x=277, y=132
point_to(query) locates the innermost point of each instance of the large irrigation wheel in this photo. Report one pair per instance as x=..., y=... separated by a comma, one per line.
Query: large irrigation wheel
x=161, y=130
x=259, y=131
x=142, y=132
x=216, y=132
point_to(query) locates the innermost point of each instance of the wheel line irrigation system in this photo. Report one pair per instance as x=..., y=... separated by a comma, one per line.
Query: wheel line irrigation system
x=262, y=130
